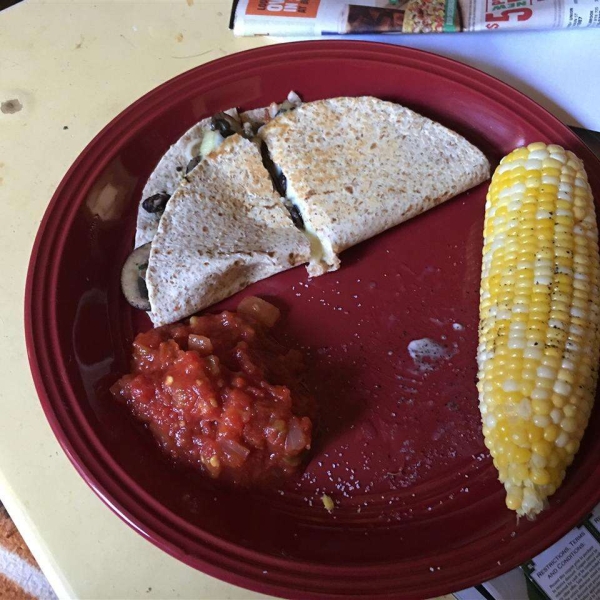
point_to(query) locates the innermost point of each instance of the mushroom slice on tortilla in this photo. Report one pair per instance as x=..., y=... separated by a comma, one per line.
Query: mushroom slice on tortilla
x=133, y=278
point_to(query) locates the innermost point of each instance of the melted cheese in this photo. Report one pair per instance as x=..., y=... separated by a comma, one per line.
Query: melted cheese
x=321, y=252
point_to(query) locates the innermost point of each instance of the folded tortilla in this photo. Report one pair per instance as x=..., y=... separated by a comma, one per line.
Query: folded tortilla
x=169, y=173
x=358, y=166
x=223, y=230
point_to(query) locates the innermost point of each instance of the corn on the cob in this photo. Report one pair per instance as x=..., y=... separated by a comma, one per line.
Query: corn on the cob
x=539, y=320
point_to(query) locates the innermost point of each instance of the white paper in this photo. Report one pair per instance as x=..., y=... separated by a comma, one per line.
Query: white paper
x=469, y=594
x=568, y=570
x=558, y=68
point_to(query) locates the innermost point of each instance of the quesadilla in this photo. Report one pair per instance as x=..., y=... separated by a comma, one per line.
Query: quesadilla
x=188, y=151
x=355, y=167
x=345, y=169
x=223, y=230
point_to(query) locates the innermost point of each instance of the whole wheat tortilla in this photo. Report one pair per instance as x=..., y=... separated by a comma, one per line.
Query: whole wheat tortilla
x=166, y=178
x=358, y=166
x=223, y=230
x=169, y=173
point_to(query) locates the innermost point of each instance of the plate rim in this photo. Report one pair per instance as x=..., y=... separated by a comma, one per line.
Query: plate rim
x=41, y=271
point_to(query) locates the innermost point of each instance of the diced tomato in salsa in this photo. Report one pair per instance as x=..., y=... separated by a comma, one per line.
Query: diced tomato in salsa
x=219, y=394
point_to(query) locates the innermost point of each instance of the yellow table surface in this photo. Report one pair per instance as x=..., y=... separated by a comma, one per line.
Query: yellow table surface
x=78, y=64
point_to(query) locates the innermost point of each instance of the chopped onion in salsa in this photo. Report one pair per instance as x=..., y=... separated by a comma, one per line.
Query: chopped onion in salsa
x=219, y=394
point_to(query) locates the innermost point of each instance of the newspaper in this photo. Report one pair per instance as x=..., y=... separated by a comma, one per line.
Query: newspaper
x=479, y=15
x=567, y=570
x=301, y=18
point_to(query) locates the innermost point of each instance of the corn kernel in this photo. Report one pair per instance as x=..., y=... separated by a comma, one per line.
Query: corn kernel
x=514, y=499
x=551, y=433
x=540, y=476
x=542, y=447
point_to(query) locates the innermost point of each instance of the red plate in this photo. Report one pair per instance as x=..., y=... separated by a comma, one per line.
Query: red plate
x=419, y=511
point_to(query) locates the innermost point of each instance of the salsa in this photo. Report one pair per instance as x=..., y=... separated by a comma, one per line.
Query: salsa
x=219, y=394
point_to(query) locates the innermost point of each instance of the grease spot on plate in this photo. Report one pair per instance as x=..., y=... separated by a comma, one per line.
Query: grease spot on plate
x=427, y=353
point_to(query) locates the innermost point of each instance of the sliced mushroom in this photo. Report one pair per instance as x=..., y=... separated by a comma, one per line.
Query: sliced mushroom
x=249, y=130
x=156, y=203
x=290, y=103
x=285, y=106
x=133, y=277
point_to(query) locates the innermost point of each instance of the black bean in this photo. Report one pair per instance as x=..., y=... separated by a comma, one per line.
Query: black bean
x=296, y=216
x=156, y=203
x=280, y=183
x=225, y=124
x=193, y=163
x=278, y=178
